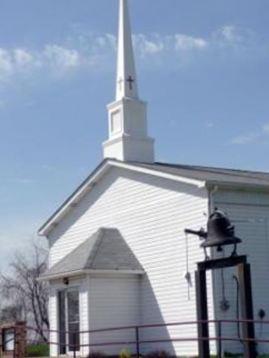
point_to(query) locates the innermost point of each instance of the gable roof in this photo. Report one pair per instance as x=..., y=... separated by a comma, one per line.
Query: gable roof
x=105, y=250
x=194, y=175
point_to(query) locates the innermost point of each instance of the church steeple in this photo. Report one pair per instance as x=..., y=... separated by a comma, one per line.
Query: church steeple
x=127, y=116
x=126, y=74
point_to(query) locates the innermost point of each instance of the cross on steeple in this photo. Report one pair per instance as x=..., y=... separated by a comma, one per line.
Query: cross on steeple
x=130, y=80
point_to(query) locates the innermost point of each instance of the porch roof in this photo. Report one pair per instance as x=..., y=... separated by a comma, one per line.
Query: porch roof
x=105, y=250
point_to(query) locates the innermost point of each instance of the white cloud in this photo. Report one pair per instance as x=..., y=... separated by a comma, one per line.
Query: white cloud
x=254, y=137
x=154, y=45
x=184, y=42
x=230, y=33
x=246, y=138
x=15, y=61
x=6, y=66
x=80, y=53
x=97, y=52
x=51, y=59
x=239, y=38
x=149, y=45
x=61, y=58
x=266, y=128
x=22, y=57
x=105, y=41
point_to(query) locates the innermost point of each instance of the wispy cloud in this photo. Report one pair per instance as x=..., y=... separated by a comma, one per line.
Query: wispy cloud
x=184, y=42
x=265, y=128
x=179, y=44
x=156, y=44
x=246, y=138
x=60, y=57
x=230, y=33
x=146, y=45
x=82, y=53
x=93, y=52
x=254, y=137
x=20, y=61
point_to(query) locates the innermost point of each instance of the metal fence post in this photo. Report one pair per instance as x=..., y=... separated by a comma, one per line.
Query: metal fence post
x=202, y=313
x=137, y=342
x=74, y=345
x=219, y=339
x=15, y=343
x=248, y=328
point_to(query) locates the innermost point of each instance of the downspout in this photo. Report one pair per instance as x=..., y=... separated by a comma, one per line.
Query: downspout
x=211, y=191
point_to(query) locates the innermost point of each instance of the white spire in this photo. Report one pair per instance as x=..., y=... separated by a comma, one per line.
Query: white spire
x=127, y=116
x=126, y=74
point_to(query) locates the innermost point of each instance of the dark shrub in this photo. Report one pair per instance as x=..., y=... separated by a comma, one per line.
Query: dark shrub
x=158, y=354
x=37, y=350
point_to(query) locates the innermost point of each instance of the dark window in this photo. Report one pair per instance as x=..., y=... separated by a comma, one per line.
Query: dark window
x=68, y=318
x=73, y=320
x=62, y=321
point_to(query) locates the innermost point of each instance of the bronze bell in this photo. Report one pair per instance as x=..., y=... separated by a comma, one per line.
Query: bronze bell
x=220, y=231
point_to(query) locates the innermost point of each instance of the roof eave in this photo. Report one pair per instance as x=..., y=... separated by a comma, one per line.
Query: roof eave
x=72, y=274
x=73, y=199
x=237, y=186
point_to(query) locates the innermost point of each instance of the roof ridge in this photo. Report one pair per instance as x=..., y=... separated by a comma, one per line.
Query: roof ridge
x=100, y=235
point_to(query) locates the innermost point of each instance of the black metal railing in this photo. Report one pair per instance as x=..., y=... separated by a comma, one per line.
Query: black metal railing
x=76, y=345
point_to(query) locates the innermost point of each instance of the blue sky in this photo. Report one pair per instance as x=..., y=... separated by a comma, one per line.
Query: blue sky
x=202, y=66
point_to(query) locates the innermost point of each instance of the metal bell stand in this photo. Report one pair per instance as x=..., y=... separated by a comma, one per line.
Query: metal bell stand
x=219, y=233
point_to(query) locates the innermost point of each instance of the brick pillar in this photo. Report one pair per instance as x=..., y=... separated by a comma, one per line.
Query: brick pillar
x=20, y=340
x=18, y=329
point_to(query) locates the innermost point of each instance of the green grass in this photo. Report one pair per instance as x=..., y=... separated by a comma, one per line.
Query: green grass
x=37, y=350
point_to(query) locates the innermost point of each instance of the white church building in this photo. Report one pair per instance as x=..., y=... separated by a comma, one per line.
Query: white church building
x=118, y=252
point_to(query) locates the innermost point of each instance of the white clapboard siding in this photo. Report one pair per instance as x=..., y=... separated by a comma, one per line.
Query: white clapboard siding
x=114, y=302
x=84, y=316
x=151, y=214
x=53, y=313
x=249, y=212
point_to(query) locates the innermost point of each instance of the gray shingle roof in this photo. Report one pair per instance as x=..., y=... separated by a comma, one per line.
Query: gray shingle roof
x=211, y=174
x=104, y=250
